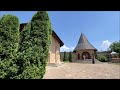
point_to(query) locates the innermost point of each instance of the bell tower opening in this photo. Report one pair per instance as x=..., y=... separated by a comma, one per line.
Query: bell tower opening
x=86, y=55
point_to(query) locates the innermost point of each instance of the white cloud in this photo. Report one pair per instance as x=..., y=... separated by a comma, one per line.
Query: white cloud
x=105, y=45
x=67, y=49
x=64, y=48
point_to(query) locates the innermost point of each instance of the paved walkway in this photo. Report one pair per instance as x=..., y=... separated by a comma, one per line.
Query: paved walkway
x=83, y=71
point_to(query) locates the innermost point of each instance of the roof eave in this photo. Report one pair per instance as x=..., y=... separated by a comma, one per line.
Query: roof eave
x=58, y=39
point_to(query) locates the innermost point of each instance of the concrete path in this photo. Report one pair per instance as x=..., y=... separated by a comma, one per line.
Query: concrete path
x=83, y=71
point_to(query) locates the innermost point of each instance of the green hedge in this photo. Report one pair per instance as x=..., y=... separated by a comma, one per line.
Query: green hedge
x=102, y=58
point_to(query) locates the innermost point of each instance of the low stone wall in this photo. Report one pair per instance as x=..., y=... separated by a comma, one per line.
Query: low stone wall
x=115, y=60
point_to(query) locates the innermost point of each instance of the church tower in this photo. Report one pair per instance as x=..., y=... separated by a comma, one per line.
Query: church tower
x=84, y=49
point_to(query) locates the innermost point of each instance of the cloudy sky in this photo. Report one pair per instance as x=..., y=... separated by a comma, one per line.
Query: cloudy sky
x=100, y=27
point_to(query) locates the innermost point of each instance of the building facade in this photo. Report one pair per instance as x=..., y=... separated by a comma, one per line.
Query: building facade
x=54, y=50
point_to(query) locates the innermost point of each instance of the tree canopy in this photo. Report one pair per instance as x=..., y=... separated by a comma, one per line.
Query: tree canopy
x=115, y=46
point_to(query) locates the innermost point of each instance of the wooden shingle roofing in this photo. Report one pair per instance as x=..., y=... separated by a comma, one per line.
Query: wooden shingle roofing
x=83, y=43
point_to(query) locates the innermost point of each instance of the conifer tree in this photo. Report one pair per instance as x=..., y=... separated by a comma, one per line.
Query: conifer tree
x=70, y=56
x=35, y=40
x=65, y=56
x=9, y=37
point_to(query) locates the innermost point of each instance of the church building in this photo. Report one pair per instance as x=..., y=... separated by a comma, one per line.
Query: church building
x=54, y=50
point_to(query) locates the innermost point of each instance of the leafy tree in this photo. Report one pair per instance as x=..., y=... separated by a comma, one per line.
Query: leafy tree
x=9, y=37
x=115, y=46
x=70, y=56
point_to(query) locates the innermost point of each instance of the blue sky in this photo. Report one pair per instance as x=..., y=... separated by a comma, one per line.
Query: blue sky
x=100, y=27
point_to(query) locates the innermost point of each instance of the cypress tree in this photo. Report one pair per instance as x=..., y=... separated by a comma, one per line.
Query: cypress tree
x=70, y=56
x=65, y=57
x=41, y=32
x=24, y=37
x=9, y=37
x=23, y=56
x=34, y=43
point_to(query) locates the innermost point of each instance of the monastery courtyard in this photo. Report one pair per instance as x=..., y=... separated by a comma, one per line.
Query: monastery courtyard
x=83, y=71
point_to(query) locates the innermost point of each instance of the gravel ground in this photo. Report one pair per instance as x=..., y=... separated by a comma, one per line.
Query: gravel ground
x=83, y=71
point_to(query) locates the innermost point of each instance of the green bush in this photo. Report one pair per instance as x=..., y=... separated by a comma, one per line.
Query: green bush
x=102, y=58
x=9, y=38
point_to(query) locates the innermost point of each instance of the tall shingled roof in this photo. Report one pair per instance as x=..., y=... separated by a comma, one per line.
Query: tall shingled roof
x=83, y=43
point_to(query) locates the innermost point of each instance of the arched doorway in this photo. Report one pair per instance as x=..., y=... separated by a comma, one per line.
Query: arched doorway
x=86, y=54
x=78, y=56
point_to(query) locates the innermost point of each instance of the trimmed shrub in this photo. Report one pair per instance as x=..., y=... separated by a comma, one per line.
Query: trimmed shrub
x=102, y=58
x=9, y=37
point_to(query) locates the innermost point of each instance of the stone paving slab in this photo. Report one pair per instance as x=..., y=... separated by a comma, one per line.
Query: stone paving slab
x=83, y=71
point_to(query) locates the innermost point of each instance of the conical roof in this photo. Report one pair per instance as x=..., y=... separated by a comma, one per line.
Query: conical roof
x=83, y=43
